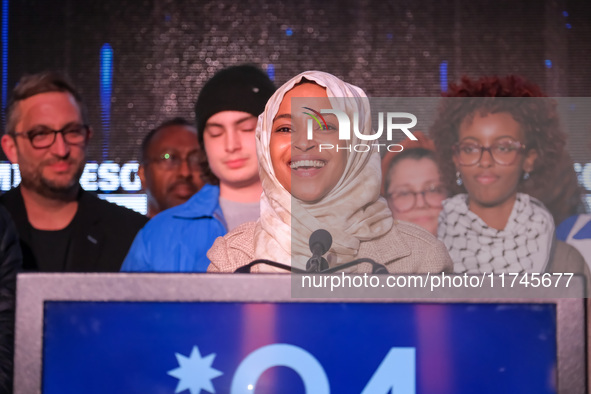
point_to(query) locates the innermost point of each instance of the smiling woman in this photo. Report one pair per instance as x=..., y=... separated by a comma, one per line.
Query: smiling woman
x=496, y=136
x=303, y=169
x=306, y=188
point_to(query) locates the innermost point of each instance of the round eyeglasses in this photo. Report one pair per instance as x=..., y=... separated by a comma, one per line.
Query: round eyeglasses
x=503, y=152
x=42, y=137
x=172, y=160
x=404, y=200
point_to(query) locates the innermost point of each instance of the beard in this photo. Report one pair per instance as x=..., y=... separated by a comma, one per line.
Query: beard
x=33, y=179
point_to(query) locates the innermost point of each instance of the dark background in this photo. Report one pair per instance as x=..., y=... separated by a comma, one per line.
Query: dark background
x=164, y=50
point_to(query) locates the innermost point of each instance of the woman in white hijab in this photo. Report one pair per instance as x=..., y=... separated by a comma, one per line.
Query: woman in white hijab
x=315, y=181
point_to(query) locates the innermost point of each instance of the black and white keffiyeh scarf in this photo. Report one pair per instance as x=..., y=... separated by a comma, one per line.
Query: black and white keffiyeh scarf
x=523, y=246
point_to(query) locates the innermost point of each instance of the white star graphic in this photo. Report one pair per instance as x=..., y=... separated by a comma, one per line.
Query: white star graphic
x=195, y=372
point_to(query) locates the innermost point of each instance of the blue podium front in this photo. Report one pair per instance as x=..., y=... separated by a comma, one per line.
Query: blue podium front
x=232, y=347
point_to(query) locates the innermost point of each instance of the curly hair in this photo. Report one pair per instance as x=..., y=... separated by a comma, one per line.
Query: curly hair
x=512, y=94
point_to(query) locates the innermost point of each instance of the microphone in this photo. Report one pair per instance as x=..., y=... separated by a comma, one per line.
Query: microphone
x=320, y=242
x=245, y=269
x=376, y=268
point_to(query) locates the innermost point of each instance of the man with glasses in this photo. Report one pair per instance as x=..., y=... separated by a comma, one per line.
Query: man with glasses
x=170, y=165
x=226, y=113
x=61, y=227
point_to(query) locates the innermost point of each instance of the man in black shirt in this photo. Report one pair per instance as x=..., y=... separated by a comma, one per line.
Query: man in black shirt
x=61, y=227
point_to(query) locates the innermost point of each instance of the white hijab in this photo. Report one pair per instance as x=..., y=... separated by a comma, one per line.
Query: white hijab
x=353, y=212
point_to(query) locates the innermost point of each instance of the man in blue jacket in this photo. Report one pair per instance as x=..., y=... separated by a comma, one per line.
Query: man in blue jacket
x=177, y=240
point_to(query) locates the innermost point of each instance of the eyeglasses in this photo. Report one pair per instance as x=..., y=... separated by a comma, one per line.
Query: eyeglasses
x=405, y=200
x=172, y=160
x=503, y=152
x=43, y=137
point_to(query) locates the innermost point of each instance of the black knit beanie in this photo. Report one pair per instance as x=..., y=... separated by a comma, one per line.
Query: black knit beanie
x=240, y=88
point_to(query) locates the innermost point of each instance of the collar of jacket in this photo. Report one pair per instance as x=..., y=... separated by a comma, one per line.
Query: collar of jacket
x=14, y=200
x=383, y=250
x=84, y=224
x=204, y=203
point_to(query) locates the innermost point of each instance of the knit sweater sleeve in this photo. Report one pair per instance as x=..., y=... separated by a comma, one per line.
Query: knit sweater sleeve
x=233, y=250
x=218, y=255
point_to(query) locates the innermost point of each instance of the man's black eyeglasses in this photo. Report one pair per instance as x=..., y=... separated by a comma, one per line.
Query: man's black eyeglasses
x=43, y=137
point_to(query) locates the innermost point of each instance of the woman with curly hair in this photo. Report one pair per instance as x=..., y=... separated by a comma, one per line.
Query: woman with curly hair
x=496, y=138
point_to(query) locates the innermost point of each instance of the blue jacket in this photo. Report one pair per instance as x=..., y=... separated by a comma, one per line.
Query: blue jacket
x=177, y=240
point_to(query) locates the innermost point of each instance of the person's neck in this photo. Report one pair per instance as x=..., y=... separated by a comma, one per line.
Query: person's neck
x=153, y=208
x=49, y=214
x=249, y=193
x=496, y=216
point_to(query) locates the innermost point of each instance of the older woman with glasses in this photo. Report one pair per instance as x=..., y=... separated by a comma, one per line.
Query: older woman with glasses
x=412, y=183
x=493, y=138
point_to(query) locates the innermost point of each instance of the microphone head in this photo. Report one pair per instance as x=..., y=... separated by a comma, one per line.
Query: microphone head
x=320, y=238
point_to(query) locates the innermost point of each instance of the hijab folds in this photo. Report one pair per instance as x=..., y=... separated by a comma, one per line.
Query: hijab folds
x=352, y=212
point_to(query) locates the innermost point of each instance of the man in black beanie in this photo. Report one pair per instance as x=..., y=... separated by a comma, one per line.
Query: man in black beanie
x=226, y=115
x=226, y=112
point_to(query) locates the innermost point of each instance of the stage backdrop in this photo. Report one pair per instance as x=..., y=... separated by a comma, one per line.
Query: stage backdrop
x=138, y=63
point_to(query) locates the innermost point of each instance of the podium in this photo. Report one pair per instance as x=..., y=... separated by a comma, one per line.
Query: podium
x=199, y=333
